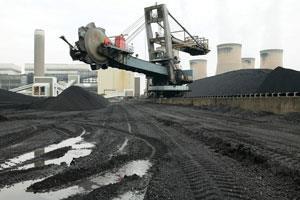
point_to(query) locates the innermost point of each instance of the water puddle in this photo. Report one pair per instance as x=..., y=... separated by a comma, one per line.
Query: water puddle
x=18, y=191
x=138, y=167
x=121, y=149
x=79, y=148
x=131, y=195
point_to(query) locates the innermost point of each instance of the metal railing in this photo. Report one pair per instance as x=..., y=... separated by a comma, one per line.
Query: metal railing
x=254, y=95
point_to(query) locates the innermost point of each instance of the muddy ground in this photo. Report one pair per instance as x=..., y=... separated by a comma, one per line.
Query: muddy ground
x=181, y=152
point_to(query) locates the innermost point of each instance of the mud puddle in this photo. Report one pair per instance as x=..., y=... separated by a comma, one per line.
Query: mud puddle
x=122, y=147
x=18, y=191
x=79, y=148
x=138, y=167
x=131, y=195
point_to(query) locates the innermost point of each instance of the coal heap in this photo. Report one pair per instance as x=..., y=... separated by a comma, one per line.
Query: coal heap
x=72, y=99
x=281, y=80
x=2, y=118
x=15, y=98
x=242, y=81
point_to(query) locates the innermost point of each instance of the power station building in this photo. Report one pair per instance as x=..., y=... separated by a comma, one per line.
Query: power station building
x=115, y=82
x=199, y=67
x=271, y=58
x=10, y=69
x=229, y=57
x=62, y=72
x=248, y=63
x=10, y=76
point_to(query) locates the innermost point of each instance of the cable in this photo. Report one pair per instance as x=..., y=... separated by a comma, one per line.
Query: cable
x=135, y=33
x=133, y=25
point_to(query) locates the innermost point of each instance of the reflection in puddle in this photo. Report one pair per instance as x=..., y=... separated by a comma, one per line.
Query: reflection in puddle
x=139, y=167
x=136, y=195
x=18, y=191
x=79, y=148
x=121, y=149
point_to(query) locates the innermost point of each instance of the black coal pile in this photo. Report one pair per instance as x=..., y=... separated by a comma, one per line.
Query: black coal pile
x=8, y=97
x=281, y=80
x=72, y=99
x=2, y=118
x=242, y=81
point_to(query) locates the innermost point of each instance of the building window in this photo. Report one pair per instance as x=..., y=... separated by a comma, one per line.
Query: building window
x=36, y=90
x=42, y=88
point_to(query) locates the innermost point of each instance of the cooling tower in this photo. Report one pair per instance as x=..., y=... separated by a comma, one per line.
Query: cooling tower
x=229, y=57
x=39, y=52
x=199, y=67
x=248, y=63
x=271, y=58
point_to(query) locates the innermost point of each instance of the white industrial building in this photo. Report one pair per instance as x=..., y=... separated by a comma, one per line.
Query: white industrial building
x=115, y=82
x=10, y=69
x=61, y=71
x=10, y=76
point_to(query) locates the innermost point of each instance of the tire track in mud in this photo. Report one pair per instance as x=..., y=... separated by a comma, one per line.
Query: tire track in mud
x=14, y=138
x=129, y=131
x=63, y=132
x=206, y=178
x=243, y=150
x=281, y=179
x=286, y=163
x=218, y=183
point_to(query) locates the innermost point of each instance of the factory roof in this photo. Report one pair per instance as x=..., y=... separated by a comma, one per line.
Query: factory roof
x=10, y=67
x=60, y=67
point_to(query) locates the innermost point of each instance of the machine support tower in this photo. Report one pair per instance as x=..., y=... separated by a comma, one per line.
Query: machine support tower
x=158, y=14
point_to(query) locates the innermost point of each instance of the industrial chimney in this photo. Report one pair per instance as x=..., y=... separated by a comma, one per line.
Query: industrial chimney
x=229, y=57
x=248, y=63
x=271, y=58
x=199, y=67
x=39, y=52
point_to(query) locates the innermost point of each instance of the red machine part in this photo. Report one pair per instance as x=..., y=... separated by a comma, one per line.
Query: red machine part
x=106, y=41
x=120, y=42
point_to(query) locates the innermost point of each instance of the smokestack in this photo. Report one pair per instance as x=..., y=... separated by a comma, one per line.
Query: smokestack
x=199, y=67
x=229, y=57
x=271, y=58
x=248, y=63
x=39, y=52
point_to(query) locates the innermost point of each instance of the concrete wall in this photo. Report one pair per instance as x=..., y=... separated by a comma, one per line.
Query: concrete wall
x=278, y=105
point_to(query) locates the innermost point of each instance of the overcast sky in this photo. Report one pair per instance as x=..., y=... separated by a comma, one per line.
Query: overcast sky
x=256, y=24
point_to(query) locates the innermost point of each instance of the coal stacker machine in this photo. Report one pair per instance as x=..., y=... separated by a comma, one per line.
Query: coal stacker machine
x=164, y=76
